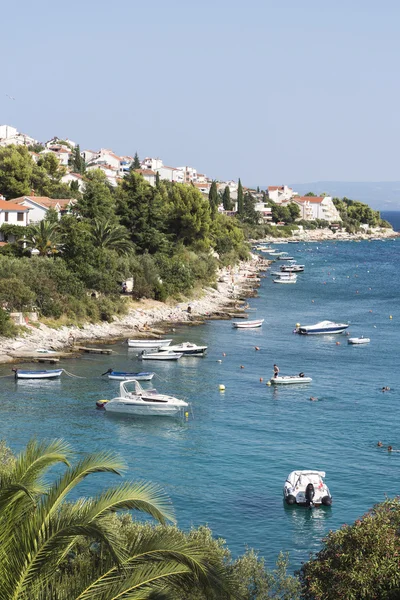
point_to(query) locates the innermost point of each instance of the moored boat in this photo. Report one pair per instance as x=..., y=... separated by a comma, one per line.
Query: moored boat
x=306, y=488
x=321, y=328
x=290, y=379
x=247, y=324
x=125, y=375
x=186, y=348
x=358, y=340
x=155, y=343
x=45, y=374
x=286, y=278
x=140, y=402
x=159, y=355
x=292, y=268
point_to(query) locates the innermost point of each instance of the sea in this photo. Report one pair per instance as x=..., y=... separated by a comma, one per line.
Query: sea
x=226, y=463
x=393, y=216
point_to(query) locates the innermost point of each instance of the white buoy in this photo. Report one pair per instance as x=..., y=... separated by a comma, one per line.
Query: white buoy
x=221, y=387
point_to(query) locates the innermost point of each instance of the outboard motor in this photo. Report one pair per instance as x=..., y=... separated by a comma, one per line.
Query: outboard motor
x=290, y=499
x=310, y=493
x=326, y=501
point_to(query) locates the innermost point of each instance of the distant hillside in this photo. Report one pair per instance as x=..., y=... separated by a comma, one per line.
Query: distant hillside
x=380, y=195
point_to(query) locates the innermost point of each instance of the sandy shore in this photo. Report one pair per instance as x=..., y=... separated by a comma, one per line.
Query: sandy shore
x=231, y=284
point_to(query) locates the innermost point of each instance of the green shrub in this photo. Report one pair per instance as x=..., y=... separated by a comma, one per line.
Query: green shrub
x=7, y=326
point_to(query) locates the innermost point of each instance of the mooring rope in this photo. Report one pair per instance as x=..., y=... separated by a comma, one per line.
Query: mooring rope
x=72, y=375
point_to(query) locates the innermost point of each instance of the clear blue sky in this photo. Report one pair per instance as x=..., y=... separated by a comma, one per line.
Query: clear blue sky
x=268, y=91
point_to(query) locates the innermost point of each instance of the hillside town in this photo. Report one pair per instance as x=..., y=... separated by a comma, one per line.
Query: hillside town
x=31, y=208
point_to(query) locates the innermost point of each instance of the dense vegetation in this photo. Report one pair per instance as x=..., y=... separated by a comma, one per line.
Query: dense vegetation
x=169, y=238
x=354, y=214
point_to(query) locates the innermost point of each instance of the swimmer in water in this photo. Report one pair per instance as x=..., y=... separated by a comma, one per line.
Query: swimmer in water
x=379, y=444
x=390, y=449
x=313, y=399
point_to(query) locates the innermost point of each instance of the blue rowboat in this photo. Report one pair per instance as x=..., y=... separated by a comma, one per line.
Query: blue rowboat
x=124, y=375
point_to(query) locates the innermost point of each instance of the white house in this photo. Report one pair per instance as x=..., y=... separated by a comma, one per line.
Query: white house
x=204, y=188
x=62, y=152
x=264, y=211
x=9, y=135
x=170, y=174
x=148, y=175
x=69, y=177
x=189, y=174
x=89, y=155
x=37, y=206
x=111, y=173
x=155, y=164
x=280, y=193
x=13, y=214
x=317, y=207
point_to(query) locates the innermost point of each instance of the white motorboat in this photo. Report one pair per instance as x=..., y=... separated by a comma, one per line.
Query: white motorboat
x=125, y=375
x=358, y=340
x=247, y=324
x=288, y=379
x=148, y=343
x=321, y=328
x=138, y=401
x=159, y=355
x=186, y=348
x=306, y=488
x=285, y=258
x=292, y=268
x=286, y=278
x=47, y=374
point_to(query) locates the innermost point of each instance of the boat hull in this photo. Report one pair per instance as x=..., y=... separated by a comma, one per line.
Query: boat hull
x=248, y=324
x=161, y=356
x=358, y=341
x=288, y=380
x=142, y=411
x=38, y=374
x=323, y=331
x=123, y=376
x=148, y=343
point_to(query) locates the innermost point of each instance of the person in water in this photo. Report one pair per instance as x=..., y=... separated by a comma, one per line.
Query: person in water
x=390, y=448
x=379, y=444
x=276, y=370
x=313, y=399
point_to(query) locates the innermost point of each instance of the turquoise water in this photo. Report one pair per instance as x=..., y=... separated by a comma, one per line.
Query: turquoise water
x=226, y=465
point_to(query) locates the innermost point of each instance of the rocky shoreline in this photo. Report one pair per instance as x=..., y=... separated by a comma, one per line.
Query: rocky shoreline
x=225, y=301
x=320, y=235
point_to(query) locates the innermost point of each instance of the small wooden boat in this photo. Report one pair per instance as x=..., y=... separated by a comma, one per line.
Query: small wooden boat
x=248, y=324
x=358, y=340
x=148, y=343
x=124, y=375
x=288, y=379
x=48, y=374
x=167, y=355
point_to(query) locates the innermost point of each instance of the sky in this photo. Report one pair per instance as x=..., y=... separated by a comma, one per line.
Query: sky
x=271, y=92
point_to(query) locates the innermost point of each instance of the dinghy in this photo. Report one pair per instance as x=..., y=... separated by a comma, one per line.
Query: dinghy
x=148, y=343
x=288, y=379
x=48, y=374
x=306, y=488
x=167, y=355
x=124, y=375
x=247, y=324
x=358, y=340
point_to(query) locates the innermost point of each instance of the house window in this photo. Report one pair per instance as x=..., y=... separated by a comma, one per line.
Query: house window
x=6, y=217
x=20, y=216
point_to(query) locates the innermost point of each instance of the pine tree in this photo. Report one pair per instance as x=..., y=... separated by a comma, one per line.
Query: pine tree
x=240, y=198
x=226, y=199
x=136, y=162
x=213, y=199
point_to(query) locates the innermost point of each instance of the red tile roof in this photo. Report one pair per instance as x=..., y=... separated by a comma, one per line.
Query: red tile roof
x=43, y=201
x=11, y=206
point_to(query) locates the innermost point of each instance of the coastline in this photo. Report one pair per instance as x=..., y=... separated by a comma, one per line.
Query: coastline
x=320, y=235
x=232, y=284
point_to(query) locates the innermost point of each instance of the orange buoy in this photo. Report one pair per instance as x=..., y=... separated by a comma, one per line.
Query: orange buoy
x=241, y=366
x=256, y=348
x=337, y=343
x=261, y=379
x=223, y=354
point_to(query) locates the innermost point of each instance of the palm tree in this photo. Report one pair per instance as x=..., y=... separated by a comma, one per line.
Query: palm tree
x=39, y=529
x=43, y=237
x=109, y=235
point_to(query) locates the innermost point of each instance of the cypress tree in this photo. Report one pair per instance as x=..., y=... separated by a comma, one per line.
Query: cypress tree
x=213, y=199
x=136, y=162
x=240, y=199
x=78, y=164
x=226, y=199
x=157, y=180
